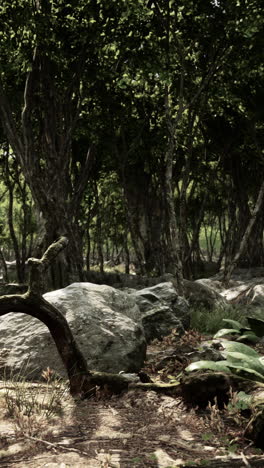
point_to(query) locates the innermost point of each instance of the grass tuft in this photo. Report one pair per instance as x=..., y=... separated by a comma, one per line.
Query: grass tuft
x=209, y=322
x=31, y=406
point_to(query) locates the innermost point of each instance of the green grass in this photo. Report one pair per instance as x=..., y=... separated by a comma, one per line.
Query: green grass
x=209, y=322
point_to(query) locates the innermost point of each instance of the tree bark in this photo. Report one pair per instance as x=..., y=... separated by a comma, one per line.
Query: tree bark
x=45, y=155
x=5, y=272
x=245, y=239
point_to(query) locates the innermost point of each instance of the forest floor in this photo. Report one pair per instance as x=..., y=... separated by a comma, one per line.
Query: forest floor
x=42, y=426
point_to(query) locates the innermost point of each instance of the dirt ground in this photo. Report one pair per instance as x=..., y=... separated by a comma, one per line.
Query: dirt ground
x=134, y=430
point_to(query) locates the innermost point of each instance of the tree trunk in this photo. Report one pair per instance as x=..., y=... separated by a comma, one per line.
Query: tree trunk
x=69, y=267
x=3, y=262
x=44, y=152
x=144, y=205
x=245, y=239
x=172, y=236
x=172, y=232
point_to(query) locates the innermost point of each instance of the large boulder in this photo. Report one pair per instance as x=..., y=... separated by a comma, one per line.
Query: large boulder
x=105, y=323
x=202, y=296
x=255, y=296
x=246, y=288
x=162, y=310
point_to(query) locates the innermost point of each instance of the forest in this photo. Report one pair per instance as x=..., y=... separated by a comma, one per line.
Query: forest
x=131, y=226
x=134, y=128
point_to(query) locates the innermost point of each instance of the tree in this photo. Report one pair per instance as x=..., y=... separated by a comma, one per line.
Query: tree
x=19, y=214
x=156, y=93
x=41, y=139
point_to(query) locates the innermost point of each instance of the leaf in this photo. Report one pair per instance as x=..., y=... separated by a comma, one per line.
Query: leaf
x=226, y=331
x=249, y=337
x=243, y=360
x=244, y=398
x=207, y=436
x=245, y=373
x=234, y=346
x=234, y=324
x=240, y=401
x=233, y=448
x=219, y=366
x=257, y=325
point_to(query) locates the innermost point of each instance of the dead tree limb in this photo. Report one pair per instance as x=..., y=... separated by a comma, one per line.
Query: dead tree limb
x=32, y=303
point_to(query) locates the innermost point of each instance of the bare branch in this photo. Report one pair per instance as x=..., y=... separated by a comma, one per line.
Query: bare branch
x=83, y=178
x=27, y=110
x=39, y=266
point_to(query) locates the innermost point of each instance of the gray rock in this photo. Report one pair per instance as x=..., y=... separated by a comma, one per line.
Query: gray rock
x=255, y=296
x=162, y=310
x=208, y=354
x=210, y=350
x=212, y=284
x=159, y=322
x=249, y=293
x=102, y=319
x=236, y=293
x=200, y=295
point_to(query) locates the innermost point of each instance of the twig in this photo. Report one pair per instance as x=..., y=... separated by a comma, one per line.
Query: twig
x=56, y=446
x=245, y=460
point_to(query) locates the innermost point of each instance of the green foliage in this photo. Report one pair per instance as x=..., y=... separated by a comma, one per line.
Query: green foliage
x=209, y=322
x=239, y=401
x=132, y=77
x=240, y=359
x=226, y=331
x=243, y=333
x=243, y=360
x=234, y=324
x=234, y=346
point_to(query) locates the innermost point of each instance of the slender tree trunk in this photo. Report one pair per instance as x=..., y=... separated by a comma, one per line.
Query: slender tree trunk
x=126, y=253
x=43, y=147
x=5, y=271
x=99, y=235
x=172, y=237
x=245, y=239
x=172, y=231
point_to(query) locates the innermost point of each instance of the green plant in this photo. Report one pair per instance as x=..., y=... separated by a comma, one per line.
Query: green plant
x=207, y=436
x=208, y=322
x=240, y=332
x=238, y=402
x=233, y=448
x=242, y=363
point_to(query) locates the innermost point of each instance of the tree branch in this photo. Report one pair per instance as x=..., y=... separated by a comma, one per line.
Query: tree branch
x=39, y=266
x=27, y=110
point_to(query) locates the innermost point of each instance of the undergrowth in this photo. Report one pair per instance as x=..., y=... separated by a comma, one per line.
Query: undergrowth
x=31, y=406
x=209, y=322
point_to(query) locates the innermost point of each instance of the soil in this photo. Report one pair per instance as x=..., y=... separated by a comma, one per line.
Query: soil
x=134, y=430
